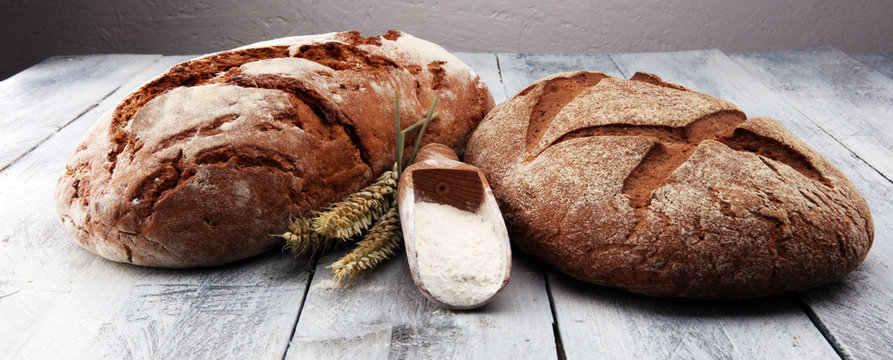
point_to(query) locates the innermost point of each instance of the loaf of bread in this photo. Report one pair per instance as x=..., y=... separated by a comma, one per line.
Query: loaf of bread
x=661, y=190
x=198, y=166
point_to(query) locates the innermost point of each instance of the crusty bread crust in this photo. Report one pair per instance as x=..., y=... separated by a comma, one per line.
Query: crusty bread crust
x=198, y=166
x=661, y=190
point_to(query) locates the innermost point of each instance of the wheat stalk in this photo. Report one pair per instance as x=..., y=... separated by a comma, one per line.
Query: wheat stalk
x=378, y=245
x=354, y=214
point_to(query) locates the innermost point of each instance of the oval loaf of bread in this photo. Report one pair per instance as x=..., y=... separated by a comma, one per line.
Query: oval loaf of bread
x=661, y=190
x=198, y=166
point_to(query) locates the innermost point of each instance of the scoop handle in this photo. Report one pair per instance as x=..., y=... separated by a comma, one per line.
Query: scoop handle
x=436, y=151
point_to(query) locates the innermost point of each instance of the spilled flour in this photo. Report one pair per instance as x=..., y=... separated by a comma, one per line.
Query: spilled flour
x=459, y=254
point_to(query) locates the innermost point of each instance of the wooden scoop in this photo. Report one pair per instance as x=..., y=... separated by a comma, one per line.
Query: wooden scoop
x=439, y=177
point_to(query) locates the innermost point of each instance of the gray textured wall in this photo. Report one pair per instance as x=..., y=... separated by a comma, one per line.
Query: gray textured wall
x=34, y=30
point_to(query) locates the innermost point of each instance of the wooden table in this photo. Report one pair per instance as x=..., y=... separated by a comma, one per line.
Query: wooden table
x=59, y=301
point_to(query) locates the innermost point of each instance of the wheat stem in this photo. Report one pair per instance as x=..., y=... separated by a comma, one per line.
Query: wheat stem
x=419, y=123
x=428, y=117
x=378, y=245
x=399, y=135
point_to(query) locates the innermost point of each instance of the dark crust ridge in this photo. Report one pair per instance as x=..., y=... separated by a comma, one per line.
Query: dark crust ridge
x=744, y=140
x=314, y=101
x=338, y=56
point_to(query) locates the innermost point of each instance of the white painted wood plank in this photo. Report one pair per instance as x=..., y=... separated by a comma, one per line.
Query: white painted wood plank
x=60, y=301
x=42, y=99
x=848, y=100
x=881, y=62
x=857, y=311
x=615, y=324
x=527, y=68
x=383, y=315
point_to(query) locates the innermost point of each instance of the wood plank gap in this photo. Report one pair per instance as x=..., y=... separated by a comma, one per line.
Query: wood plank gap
x=294, y=326
x=97, y=102
x=819, y=126
x=42, y=98
x=823, y=329
x=501, y=82
x=11, y=293
x=559, y=347
x=17, y=158
x=832, y=88
x=57, y=128
x=843, y=144
x=613, y=60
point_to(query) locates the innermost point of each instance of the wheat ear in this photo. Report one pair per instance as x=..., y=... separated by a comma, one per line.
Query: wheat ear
x=378, y=245
x=354, y=214
x=300, y=237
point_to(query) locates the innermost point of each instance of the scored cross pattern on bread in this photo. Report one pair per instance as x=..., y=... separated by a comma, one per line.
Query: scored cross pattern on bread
x=671, y=146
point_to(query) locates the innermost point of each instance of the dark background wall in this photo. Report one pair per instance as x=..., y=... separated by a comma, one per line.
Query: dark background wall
x=34, y=30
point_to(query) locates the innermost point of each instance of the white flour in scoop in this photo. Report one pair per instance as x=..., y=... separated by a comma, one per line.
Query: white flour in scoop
x=458, y=253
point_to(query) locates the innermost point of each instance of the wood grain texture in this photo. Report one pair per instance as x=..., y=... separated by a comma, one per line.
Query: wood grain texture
x=848, y=100
x=383, y=314
x=616, y=324
x=854, y=312
x=461, y=189
x=60, y=301
x=44, y=98
x=881, y=62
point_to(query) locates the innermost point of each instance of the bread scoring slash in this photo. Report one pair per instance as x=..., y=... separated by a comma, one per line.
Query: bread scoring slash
x=199, y=165
x=652, y=187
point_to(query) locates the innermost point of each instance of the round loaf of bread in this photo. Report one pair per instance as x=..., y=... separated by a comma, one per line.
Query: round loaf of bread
x=198, y=166
x=661, y=190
